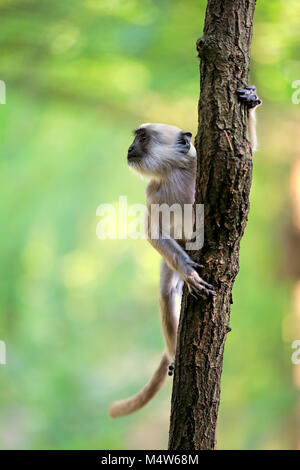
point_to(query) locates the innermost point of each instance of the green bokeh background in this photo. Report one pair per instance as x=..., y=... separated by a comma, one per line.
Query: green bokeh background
x=79, y=316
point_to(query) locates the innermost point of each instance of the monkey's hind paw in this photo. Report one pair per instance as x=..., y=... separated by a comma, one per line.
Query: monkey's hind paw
x=171, y=368
x=248, y=96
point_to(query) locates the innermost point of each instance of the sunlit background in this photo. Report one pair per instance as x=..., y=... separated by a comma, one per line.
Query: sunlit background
x=79, y=316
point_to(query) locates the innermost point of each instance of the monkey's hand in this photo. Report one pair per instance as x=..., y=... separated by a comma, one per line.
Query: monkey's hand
x=196, y=285
x=248, y=96
x=179, y=261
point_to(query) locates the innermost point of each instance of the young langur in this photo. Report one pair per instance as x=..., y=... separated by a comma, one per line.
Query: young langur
x=166, y=156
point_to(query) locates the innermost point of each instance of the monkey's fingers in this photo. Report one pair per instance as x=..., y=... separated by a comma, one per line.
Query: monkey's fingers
x=196, y=265
x=205, y=284
x=250, y=87
x=207, y=292
x=197, y=286
x=247, y=89
x=243, y=91
x=202, y=291
x=197, y=289
x=200, y=280
x=248, y=96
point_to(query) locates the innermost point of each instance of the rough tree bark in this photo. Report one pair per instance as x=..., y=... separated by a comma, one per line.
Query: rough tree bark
x=223, y=186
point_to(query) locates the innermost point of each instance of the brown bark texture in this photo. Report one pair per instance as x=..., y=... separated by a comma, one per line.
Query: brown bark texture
x=223, y=185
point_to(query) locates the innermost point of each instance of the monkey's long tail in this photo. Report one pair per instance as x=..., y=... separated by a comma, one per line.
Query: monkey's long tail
x=134, y=403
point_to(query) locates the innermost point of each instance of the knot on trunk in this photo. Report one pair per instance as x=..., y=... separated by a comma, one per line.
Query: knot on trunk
x=209, y=48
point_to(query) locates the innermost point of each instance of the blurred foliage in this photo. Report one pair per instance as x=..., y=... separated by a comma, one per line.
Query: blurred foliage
x=80, y=316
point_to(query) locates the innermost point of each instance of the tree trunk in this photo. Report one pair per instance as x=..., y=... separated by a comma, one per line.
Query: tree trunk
x=223, y=186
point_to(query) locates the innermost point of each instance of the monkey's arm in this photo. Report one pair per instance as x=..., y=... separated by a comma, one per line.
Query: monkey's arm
x=249, y=97
x=252, y=128
x=179, y=261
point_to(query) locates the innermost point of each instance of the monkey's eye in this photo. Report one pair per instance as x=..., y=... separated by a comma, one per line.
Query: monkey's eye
x=143, y=137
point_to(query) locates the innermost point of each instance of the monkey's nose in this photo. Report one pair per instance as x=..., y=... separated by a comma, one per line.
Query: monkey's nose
x=130, y=150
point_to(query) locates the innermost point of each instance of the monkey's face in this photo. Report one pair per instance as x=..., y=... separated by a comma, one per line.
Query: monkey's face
x=158, y=149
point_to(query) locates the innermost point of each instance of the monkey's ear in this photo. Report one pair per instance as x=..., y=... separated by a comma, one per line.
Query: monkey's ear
x=183, y=142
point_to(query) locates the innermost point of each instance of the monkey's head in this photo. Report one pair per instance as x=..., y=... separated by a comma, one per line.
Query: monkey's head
x=158, y=149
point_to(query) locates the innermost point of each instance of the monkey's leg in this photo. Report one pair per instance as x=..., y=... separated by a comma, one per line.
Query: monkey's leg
x=167, y=303
x=248, y=96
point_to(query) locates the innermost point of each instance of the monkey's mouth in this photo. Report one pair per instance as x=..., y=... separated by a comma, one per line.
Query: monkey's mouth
x=133, y=158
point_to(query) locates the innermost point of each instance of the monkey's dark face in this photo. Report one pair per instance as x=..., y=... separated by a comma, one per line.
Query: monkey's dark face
x=157, y=149
x=139, y=147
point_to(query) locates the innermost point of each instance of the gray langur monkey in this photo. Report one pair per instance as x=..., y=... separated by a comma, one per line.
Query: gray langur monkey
x=166, y=156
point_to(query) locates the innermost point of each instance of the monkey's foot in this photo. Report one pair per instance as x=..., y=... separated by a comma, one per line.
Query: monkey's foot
x=248, y=96
x=171, y=368
x=197, y=286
